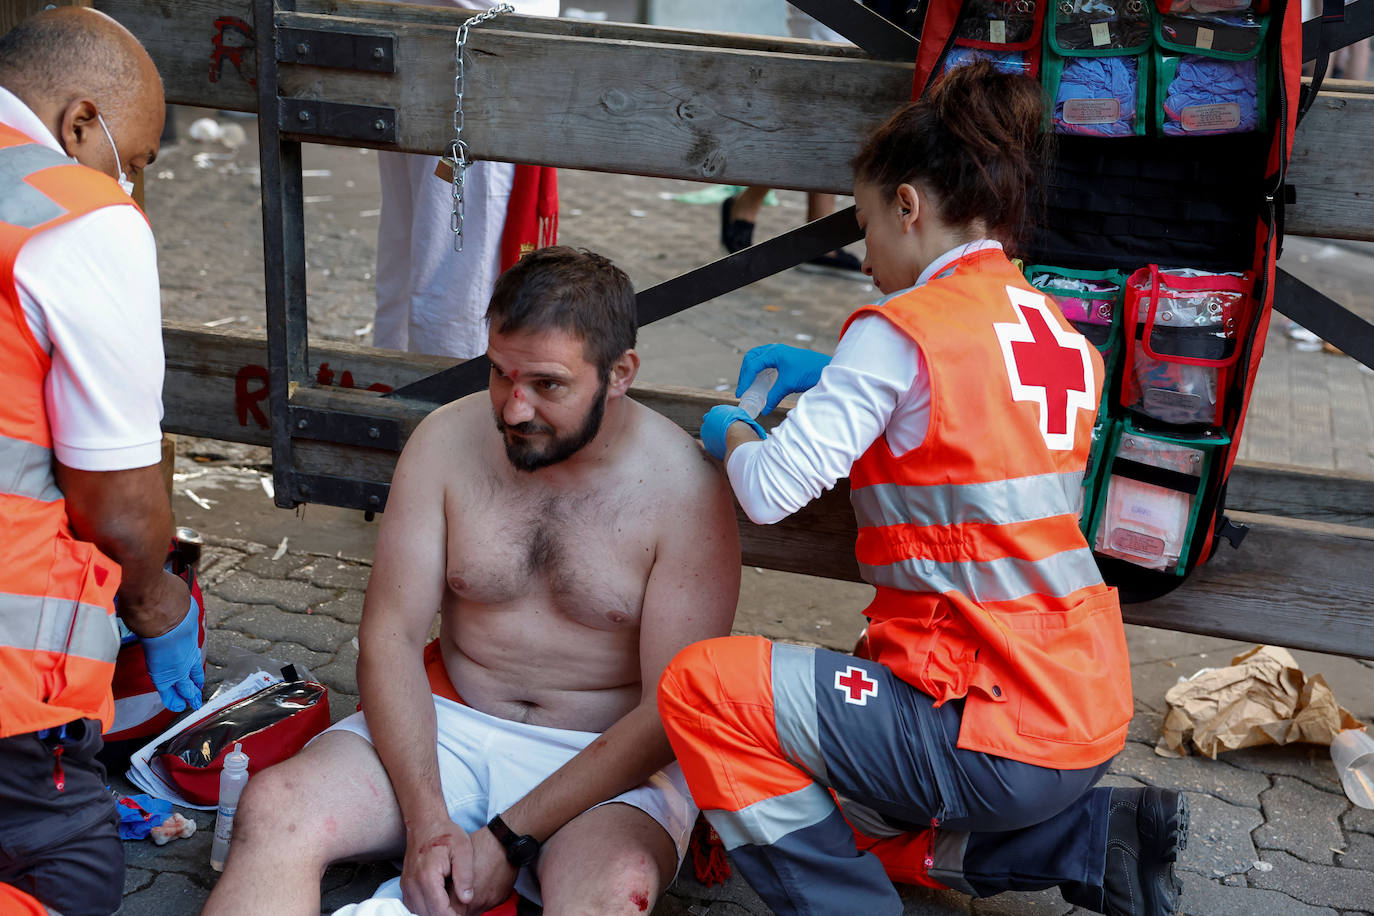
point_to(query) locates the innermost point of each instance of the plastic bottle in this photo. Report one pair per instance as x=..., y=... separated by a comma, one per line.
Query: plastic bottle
x=756, y=395
x=231, y=782
x=1352, y=752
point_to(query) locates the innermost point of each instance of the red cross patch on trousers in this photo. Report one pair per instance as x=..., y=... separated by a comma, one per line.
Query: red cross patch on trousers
x=1047, y=365
x=854, y=684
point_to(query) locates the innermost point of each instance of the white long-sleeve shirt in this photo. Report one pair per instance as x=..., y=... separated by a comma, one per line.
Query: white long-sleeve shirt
x=89, y=290
x=875, y=385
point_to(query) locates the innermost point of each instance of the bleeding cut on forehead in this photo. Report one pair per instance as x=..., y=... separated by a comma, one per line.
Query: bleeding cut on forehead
x=548, y=399
x=561, y=347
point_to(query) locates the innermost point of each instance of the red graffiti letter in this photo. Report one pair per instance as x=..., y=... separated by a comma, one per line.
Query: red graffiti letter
x=245, y=400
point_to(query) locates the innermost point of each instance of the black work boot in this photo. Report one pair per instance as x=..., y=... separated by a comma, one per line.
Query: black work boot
x=1146, y=830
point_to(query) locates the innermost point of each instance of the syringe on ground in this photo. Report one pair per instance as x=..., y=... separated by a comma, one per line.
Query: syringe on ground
x=756, y=395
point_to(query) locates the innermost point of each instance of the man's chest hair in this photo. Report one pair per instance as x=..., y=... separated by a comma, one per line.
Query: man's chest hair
x=591, y=547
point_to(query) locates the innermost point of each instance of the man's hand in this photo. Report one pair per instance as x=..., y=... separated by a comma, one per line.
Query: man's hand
x=798, y=370
x=436, y=877
x=174, y=660
x=493, y=875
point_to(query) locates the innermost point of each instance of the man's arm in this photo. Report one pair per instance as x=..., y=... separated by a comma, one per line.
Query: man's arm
x=126, y=514
x=691, y=595
x=403, y=595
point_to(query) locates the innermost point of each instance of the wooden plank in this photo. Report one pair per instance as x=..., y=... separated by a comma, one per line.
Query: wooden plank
x=204, y=49
x=1331, y=169
x=216, y=381
x=13, y=12
x=1297, y=583
x=216, y=388
x=1306, y=585
x=1338, y=497
x=651, y=101
x=452, y=18
x=622, y=106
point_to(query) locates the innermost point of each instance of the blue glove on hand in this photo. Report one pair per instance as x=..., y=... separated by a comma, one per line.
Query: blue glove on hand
x=175, y=664
x=798, y=370
x=717, y=421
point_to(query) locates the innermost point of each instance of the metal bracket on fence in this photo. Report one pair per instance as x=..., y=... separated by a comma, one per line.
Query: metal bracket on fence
x=337, y=120
x=346, y=492
x=344, y=428
x=339, y=50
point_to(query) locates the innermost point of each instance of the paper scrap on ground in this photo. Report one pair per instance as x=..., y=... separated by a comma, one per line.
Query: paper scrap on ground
x=1262, y=698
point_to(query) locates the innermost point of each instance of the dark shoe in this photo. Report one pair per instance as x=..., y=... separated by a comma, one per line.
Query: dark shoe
x=735, y=234
x=839, y=263
x=1146, y=830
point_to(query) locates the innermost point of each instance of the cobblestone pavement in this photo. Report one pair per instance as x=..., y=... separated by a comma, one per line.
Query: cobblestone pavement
x=1271, y=831
x=1271, y=834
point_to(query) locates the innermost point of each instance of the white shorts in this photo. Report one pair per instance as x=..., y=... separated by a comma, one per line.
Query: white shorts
x=487, y=764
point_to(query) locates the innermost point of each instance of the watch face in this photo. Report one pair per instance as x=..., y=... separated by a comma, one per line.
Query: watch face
x=523, y=851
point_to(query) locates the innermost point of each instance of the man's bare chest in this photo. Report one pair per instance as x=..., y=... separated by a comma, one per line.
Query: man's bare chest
x=584, y=558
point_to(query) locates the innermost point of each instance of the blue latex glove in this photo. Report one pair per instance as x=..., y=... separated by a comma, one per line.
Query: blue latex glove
x=716, y=421
x=174, y=662
x=798, y=370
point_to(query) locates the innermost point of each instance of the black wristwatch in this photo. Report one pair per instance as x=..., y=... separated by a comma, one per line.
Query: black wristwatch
x=521, y=849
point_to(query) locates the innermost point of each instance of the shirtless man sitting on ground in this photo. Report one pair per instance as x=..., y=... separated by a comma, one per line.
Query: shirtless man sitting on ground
x=571, y=548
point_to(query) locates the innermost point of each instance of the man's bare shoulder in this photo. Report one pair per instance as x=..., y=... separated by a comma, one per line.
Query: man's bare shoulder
x=456, y=426
x=679, y=465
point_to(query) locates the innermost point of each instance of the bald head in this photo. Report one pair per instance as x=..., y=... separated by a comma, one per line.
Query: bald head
x=71, y=64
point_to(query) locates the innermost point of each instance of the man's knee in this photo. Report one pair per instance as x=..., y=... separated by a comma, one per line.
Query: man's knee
x=276, y=808
x=629, y=882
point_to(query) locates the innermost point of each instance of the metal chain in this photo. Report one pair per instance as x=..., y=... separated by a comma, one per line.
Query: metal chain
x=458, y=148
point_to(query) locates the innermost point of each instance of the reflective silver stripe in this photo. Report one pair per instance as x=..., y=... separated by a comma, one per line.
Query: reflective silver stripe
x=21, y=204
x=997, y=502
x=46, y=624
x=1006, y=579
x=867, y=821
x=794, y=708
x=26, y=470
x=948, y=852
x=765, y=822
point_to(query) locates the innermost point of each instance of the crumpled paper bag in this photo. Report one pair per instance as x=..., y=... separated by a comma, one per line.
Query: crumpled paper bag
x=1262, y=698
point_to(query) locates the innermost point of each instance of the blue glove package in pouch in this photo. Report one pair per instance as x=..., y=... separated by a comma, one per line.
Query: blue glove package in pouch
x=1209, y=96
x=1211, y=73
x=1097, y=97
x=1097, y=66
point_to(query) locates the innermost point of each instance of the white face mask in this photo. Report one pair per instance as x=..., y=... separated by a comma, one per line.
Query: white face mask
x=123, y=179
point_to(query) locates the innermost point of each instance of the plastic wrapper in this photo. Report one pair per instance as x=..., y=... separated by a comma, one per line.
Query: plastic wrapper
x=1013, y=62
x=202, y=744
x=1142, y=523
x=1091, y=315
x=1208, y=96
x=1101, y=25
x=1175, y=367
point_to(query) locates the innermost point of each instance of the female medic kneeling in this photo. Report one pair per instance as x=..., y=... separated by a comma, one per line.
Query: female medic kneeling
x=963, y=750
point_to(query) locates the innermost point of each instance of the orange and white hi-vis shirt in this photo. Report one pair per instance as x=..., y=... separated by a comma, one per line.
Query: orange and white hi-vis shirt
x=986, y=588
x=58, y=637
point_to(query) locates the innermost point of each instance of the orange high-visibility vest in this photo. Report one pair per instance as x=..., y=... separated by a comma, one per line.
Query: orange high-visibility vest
x=58, y=637
x=986, y=588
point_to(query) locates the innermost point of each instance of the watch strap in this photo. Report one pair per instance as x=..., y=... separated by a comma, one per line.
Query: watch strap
x=521, y=849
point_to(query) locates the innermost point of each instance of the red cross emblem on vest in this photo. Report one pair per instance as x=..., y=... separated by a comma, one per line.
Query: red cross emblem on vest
x=1047, y=365
x=854, y=684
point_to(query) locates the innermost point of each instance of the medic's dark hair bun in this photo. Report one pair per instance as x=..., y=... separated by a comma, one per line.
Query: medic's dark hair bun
x=972, y=142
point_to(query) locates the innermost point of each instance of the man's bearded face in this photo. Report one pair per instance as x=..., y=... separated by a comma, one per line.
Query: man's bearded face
x=533, y=445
